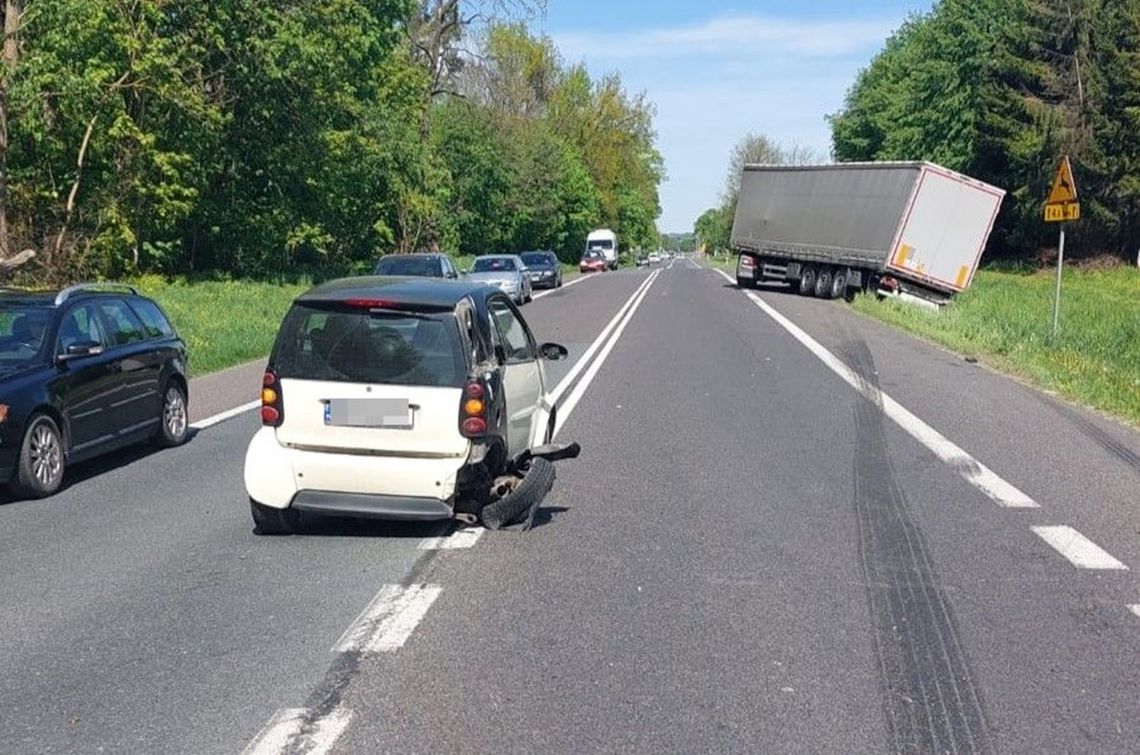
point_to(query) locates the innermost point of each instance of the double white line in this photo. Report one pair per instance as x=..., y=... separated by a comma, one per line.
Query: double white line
x=605, y=342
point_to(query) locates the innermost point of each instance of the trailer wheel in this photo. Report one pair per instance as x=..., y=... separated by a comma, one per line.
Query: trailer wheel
x=807, y=280
x=838, y=283
x=823, y=283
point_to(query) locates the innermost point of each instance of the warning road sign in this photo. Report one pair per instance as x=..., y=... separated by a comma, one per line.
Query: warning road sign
x=1062, y=205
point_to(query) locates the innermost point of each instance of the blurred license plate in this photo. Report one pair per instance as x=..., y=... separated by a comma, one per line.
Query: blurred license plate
x=368, y=412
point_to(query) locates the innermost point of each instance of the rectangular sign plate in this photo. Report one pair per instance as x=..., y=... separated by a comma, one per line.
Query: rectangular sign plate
x=1062, y=213
x=369, y=412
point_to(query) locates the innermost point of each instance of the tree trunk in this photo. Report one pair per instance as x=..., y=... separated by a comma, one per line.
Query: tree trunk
x=11, y=53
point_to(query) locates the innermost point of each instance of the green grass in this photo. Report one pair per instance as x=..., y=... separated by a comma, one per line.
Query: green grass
x=224, y=323
x=1005, y=320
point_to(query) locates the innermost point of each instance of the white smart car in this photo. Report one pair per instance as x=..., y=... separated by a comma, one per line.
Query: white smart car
x=405, y=399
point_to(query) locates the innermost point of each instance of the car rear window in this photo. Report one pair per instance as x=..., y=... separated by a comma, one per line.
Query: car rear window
x=425, y=266
x=493, y=265
x=537, y=260
x=154, y=322
x=358, y=346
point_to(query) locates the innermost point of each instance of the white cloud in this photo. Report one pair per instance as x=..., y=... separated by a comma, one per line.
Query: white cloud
x=736, y=34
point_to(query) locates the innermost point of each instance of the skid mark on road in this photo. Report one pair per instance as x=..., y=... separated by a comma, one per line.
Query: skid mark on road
x=930, y=700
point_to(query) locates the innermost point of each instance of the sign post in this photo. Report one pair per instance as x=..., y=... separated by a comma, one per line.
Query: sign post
x=1062, y=207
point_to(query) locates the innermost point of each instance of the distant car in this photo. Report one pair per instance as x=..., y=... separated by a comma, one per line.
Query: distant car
x=416, y=265
x=545, y=269
x=507, y=272
x=401, y=400
x=642, y=260
x=593, y=261
x=654, y=258
x=84, y=371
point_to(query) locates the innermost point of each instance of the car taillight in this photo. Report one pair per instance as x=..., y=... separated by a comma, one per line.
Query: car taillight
x=746, y=261
x=272, y=411
x=473, y=410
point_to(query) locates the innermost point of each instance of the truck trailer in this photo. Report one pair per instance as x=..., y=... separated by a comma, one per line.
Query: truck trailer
x=908, y=229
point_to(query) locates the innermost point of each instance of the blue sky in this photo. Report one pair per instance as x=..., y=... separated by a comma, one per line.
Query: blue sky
x=717, y=70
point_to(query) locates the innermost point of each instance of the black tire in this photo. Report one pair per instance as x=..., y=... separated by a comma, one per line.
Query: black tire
x=174, y=419
x=270, y=521
x=519, y=506
x=559, y=283
x=39, y=470
x=823, y=283
x=838, y=283
x=807, y=280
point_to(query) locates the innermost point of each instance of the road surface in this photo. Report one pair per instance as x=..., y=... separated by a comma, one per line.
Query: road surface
x=791, y=529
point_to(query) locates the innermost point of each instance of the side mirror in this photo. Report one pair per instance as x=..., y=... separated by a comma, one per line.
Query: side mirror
x=553, y=351
x=81, y=349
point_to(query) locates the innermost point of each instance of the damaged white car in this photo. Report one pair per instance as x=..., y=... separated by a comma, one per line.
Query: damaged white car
x=403, y=399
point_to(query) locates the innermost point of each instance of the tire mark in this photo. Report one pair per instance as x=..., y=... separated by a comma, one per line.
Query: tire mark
x=930, y=699
x=1099, y=436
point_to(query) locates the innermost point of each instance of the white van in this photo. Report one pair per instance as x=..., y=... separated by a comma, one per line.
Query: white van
x=606, y=242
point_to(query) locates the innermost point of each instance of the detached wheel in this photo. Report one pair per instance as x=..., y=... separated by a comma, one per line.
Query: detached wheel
x=174, y=424
x=807, y=280
x=520, y=505
x=39, y=472
x=270, y=521
x=823, y=283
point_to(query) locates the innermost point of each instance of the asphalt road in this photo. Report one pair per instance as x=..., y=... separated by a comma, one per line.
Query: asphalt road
x=791, y=530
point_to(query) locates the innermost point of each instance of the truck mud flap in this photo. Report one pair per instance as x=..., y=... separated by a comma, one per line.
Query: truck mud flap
x=520, y=504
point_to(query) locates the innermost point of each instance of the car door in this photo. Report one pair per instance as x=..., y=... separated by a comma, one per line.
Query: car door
x=89, y=387
x=140, y=364
x=522, y=379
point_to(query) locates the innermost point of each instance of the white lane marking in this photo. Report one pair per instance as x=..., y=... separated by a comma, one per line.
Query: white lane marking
x=972, y=470
x=1135, y=609
x=581, y=363
x=287, y=731
x=387, y=622
x=1078, y=549
x=567, y=409
x=458, y=540
x=572, y=282
x=228, y=414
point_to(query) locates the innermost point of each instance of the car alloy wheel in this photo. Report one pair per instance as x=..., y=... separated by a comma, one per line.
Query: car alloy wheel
x=174, y=412
x=45, y=456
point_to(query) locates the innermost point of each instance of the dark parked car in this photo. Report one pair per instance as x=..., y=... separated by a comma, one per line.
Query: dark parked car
x=423, y=265
x=545, y=269
x=84, y=371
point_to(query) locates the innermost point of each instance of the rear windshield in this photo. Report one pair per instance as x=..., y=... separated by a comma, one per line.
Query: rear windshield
x=425, y=266
x=537, y=260
x=358, y=346
x=601, y=244
x=493, y=265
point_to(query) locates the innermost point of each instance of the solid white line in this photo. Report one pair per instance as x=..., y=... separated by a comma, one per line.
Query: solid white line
x=1135, y=609
x=282, y=729
x=284, y=732
x=458, y=540
x=581, y=363
x=228, y=414
x=567, y=409
x=972, y=470
x=1078, y=549
x=572, y=282
x=387, y=622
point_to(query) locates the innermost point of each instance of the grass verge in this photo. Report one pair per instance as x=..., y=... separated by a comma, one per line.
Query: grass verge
x=224, y=323
x=1005, y=320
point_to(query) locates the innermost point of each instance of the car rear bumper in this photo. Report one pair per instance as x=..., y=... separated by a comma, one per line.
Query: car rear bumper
x=372, y=506
x=384, y=487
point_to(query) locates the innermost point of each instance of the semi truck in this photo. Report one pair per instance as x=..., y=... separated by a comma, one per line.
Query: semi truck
x=913, y=230
x=605, y=241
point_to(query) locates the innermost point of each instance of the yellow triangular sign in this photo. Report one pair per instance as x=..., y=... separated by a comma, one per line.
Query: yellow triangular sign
x=1064, y=187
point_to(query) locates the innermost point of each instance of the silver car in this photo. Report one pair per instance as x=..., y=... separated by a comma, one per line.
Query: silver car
x=507, y=272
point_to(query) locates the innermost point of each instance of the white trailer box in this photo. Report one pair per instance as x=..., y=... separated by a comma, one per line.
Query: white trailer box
x=863, y=224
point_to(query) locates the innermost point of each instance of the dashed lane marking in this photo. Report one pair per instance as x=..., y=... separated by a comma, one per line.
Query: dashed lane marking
x=1078, y=549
